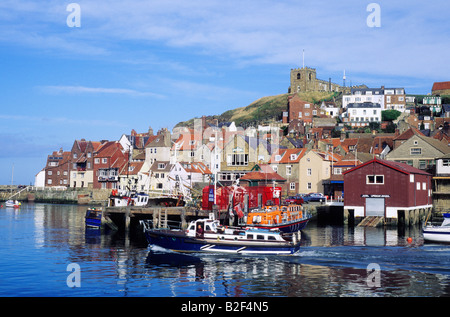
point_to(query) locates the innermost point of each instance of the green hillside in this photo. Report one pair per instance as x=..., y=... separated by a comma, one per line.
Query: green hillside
x=265, y=109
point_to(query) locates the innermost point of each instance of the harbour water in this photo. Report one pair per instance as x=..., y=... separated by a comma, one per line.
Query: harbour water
x=40, y=243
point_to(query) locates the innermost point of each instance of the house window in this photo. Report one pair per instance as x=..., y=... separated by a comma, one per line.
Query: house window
x=309, y=185
x=292, y=186
x=275, y=168
x=446, y=162
x=161, y=166
x=288, y=169
x=374, y=179
x=309, y=171
x=104, y=160
x=237, y=159
x=416, y=151
x=337, y=171
x=422, y=165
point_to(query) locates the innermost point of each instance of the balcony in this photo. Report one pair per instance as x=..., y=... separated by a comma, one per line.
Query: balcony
x=108, y=178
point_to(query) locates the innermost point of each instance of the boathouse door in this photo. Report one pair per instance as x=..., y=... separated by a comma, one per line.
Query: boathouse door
x=375, y=207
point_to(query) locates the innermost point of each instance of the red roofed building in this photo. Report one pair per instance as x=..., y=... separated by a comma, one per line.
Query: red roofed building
x=396, y=191
x=441, y=88
x=108, y=161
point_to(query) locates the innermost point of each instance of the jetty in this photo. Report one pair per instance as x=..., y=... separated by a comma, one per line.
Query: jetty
x=129, y=217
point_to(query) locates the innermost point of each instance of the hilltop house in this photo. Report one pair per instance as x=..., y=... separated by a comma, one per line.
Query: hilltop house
x=362, y=114
x=441, y=88
x=302, y=110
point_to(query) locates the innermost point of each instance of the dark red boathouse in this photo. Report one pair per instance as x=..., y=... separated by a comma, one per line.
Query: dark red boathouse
x=396, y=191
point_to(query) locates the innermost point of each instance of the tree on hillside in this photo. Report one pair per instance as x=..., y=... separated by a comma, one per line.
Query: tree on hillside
x=390, y=115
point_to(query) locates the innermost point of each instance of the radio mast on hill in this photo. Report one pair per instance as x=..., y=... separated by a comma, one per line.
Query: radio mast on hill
x=303, y=58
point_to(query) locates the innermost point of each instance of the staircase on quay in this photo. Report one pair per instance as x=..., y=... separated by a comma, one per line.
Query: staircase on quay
x=371, y=221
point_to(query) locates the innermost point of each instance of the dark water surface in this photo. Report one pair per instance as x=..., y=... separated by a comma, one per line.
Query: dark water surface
x=39, y=242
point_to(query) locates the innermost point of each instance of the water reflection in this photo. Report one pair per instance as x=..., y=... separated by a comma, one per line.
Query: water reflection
x=332, y=261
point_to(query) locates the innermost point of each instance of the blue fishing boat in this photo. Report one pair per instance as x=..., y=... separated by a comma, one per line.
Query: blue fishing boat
x=93, y=217
x=207, y=235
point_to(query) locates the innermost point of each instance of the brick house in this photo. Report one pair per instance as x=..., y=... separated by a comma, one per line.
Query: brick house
x=57, y=169
x=302, y=110
x=396, y=191
x=395, y=98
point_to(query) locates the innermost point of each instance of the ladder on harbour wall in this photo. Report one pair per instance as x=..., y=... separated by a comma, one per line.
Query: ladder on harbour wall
x=371, y=221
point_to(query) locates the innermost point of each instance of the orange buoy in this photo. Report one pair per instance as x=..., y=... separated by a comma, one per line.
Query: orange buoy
x=409, y=239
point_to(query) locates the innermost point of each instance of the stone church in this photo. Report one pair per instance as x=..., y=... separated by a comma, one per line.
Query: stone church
x=304, y=79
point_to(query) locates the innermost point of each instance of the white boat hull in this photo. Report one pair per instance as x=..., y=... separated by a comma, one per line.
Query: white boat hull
x=436, y=234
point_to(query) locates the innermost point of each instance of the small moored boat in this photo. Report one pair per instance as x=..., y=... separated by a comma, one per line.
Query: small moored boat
x=286, y=218
x=12, y=203
x=93, y=217
x=438, y=233
x=207, y=235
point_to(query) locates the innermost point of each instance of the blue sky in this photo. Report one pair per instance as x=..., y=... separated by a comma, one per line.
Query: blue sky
x=135, y=64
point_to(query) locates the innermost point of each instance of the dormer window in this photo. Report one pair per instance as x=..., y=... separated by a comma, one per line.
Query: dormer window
x=161, y=166
x=293, y=156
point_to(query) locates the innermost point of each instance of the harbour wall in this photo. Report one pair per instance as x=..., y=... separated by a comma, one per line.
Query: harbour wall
x=55, y=196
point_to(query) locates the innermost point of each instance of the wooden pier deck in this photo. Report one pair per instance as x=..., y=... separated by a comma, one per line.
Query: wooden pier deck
x=125, y=215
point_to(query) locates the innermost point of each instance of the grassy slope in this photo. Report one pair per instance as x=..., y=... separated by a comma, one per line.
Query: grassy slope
x=264, y=109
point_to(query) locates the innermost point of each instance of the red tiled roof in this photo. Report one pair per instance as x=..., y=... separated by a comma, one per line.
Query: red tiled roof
x=195, y=167
x=409, y=133
x=259, y=176
x=401, y=167
x=441, y=85
x=285, y=156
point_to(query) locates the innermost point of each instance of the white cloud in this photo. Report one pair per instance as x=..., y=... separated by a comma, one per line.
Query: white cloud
x=248, y=32
x=97, y=90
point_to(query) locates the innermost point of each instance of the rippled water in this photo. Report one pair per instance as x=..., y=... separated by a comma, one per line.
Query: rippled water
x=40, y=241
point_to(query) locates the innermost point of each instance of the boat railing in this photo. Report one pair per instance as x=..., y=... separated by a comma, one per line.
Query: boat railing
x=148, y=224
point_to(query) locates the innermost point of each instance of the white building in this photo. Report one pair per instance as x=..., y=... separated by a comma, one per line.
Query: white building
x=361, y=114
x=361, y=95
